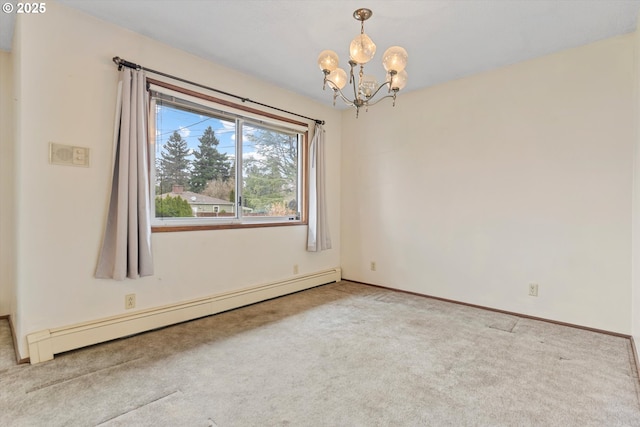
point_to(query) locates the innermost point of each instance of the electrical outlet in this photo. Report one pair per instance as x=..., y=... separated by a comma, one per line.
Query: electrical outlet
x=295, y=269
x=129, y=301
x=373, y=266
x=533, y=289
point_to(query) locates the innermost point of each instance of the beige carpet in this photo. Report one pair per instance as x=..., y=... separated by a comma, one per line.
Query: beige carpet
x=342, y=354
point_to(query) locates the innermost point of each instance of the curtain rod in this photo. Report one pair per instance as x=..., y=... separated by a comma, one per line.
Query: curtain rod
x=124, y=63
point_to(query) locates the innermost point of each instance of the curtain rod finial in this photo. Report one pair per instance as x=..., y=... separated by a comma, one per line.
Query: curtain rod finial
x=123, y=63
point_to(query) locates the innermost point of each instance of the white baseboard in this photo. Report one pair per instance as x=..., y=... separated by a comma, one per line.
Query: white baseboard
x=44, y=344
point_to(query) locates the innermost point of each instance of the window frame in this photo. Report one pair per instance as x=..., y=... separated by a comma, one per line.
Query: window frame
x=242, y=113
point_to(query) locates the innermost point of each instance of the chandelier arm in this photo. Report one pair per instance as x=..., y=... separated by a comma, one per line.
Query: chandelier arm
x=345, y=99
x=371, y=104
x=339, y=92
x=378, y=90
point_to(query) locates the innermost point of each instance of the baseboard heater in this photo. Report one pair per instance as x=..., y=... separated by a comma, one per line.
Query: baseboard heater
x=44, y=344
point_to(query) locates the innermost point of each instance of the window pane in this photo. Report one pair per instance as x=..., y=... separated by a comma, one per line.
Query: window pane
x=206, y=159
x=194, y=163
x=270, y=170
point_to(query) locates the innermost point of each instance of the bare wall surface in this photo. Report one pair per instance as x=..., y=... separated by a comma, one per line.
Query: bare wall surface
x=69, y=90
x=636, y=201
x=474, y=189
x=7, y=194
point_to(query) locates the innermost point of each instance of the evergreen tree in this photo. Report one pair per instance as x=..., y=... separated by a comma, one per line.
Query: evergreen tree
x=172, y=207
x=173, y=166
x=209, y=163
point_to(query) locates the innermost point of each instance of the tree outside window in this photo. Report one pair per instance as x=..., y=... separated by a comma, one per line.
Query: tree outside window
x=199, y=164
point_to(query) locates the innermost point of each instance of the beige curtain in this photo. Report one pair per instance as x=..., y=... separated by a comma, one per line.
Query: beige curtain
x=126, y=246
x=318, y=238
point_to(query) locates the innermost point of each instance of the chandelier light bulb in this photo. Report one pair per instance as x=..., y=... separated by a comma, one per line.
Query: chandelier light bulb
x=399, y=80
x=328, y=60
x=338, y=77
x=362, y=49
x=395, y=58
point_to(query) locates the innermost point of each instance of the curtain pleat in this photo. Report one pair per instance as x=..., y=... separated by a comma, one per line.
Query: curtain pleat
x=126, y=246
x=318, y=238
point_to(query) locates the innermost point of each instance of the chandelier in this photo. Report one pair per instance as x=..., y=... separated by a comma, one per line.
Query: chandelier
x=361, y=51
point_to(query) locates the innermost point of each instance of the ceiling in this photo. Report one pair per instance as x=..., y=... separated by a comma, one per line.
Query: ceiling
x=279, y=40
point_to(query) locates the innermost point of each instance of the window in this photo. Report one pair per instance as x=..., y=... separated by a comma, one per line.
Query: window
x=216, y=165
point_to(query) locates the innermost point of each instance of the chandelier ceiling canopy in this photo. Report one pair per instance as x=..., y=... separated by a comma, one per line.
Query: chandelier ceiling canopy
x=361, y=51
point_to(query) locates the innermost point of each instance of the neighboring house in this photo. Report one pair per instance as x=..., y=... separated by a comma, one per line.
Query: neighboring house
x=204, y=205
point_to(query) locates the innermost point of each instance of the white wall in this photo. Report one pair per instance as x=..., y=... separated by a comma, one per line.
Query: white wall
x=7, y=237
x=636, y=201
x=472, y=189
x=68, y=96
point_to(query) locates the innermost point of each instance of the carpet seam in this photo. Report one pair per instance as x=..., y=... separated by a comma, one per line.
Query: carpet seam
x=66, y=380
x=139, y=406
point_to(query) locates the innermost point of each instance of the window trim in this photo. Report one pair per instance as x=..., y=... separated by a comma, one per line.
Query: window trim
x=254, y=115
x=224, y=102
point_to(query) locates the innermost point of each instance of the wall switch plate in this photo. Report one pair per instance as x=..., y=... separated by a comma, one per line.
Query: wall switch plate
x=68, y=155
x=533, y=289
